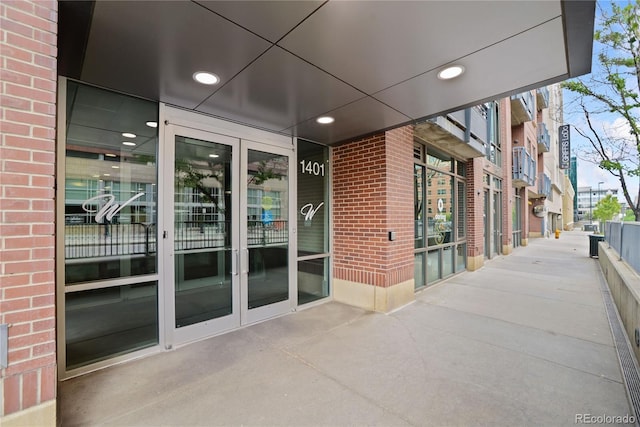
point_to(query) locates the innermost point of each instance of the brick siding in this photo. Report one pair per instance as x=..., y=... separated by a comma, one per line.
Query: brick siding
x=373, y=194
x=28, y=75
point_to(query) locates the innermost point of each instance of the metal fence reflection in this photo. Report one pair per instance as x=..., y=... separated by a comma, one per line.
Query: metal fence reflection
x=124, y=239
x=102, y=240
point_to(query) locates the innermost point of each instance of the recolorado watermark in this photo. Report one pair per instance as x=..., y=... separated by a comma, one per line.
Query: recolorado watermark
x=604, y=419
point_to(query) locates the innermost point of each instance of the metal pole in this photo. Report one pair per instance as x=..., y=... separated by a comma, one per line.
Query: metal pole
x=600, y=182
x=590, y=205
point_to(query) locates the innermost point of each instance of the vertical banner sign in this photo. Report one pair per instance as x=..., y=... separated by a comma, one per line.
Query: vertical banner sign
x=565, y=146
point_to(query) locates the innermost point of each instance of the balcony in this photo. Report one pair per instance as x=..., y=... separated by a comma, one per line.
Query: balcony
x=544, y=187
x=524, y=168
x=542, y=97
x=462, y=133
x=544, y=139
x=521, y=108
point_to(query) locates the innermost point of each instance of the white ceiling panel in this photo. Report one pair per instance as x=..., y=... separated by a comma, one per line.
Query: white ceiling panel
x=427, y=95
x=279, y=90
x=269, y=19
x=358, y=118
x=374, y=45
x=152, y=49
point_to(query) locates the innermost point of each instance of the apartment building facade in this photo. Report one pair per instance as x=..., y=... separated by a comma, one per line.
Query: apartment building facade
x=142, y=210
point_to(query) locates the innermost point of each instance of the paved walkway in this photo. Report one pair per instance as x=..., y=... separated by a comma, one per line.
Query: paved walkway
x=523, y=341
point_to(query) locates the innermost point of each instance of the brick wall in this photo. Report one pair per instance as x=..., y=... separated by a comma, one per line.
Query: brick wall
x=475, y=207
x=373, y=194
x=28, y=31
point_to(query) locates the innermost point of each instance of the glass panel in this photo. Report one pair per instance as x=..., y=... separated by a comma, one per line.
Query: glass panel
x=419, y=198
x=110, y=185
x=461, y=168
x=313, y=280
x=267, y=228
x=441, y=162
x=418, y=270
x=448, y=255
x=497, y=222
x=313, y=198
x=461, y=261
x=440, y=207
x=202, y=231
x=108, y=322
x=433, y=266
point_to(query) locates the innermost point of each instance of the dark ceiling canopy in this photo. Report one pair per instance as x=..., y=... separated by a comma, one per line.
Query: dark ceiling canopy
x=371, y=65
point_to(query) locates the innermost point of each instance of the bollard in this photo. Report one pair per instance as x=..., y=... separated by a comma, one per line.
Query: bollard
x=557, y=233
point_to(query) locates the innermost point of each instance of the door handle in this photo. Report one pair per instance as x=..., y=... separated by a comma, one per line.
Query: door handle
x=234, y=262
x=245, y=264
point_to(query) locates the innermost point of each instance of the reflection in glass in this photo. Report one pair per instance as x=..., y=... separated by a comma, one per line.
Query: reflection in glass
x=109, y=188
x=107, y=322
x=439, y=212
x=461, y=261
x=313, y=283
x=418, y=205
x=433, y=266
x=267, y=228
x=441, y=162
x=202, y=231
x=447, y=260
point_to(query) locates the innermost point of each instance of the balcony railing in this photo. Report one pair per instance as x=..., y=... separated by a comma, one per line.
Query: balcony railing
x=524, y=168
x=544, y=139
x=521, y=108
x=464, y=133
x=542, y=97
x=544, y=186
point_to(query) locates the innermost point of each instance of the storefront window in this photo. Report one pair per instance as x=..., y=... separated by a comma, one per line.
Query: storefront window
x=313, y=222
x=109, y=228
x=439, y=215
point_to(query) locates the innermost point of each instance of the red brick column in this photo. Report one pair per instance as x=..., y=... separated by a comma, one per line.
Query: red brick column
x=28, y=39
x=373, y=195
x=475, y=210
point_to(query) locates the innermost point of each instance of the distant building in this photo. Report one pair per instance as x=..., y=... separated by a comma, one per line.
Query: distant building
x=587, y=199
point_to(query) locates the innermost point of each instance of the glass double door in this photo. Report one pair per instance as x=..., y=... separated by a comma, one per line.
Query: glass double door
x=228, y=257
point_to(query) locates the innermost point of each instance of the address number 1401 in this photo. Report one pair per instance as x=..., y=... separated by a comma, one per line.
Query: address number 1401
x=312, y=168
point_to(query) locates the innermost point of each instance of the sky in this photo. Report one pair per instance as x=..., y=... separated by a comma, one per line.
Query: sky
x=589, y=174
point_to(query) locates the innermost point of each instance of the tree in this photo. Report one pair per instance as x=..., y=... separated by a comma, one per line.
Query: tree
x=606, y=208
x=628, y=215
x=611, y=93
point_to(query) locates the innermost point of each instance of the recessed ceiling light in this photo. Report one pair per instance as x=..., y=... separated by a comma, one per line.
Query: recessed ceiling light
x=205, y=78
x=115, y=167
x=129, y=135
x=325, y=120
x=110, y=155
x=106, y=174
x=129, y=143
x=214, y=156
x=152, y=124
x=451, y=72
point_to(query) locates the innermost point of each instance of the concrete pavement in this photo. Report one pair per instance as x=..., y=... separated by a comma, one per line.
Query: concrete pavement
x=523, y=341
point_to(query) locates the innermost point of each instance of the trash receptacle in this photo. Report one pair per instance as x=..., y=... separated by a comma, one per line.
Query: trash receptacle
x=593, y=244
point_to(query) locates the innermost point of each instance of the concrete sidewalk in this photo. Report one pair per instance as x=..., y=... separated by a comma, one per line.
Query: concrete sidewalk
x=523, y=341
